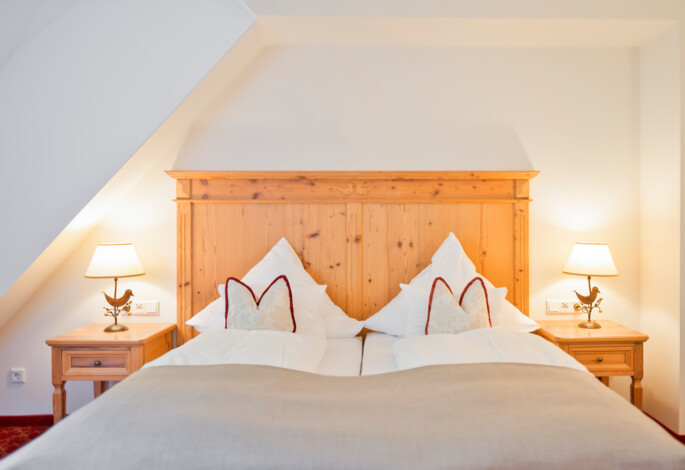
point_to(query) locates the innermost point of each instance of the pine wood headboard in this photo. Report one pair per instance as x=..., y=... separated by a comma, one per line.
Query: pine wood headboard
x=361, y=233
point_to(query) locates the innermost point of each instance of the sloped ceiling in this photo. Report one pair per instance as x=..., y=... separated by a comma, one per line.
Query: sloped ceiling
x=83, y=86
x=81, y=92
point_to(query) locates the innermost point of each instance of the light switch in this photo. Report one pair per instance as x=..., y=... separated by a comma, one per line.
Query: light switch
x=145, y=307
x=562, y=307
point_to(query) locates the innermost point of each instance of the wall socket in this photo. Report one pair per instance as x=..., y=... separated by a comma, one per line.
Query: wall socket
x=145, y=307
x=561, y=307
x=18, y=375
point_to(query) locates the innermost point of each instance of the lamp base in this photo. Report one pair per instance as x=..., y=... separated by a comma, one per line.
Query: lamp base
x=115, y=328
x=589, y=324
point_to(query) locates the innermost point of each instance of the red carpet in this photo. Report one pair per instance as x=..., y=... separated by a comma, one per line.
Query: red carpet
x=13, y=437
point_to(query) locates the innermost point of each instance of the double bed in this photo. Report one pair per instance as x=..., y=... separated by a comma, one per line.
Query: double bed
x=372, y=403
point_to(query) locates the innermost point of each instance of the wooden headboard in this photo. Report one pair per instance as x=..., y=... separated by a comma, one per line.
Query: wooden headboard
x=361, y=233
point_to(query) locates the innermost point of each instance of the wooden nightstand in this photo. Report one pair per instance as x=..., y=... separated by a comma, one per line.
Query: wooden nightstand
x=608, y=351
x=91, y=354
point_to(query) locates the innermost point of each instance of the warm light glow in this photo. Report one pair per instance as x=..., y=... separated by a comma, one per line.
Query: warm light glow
x=591, y=259
x=114, y=260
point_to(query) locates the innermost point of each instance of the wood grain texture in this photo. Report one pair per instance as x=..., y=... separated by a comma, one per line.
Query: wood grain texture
x=91, y=354
x=610, y=351
x=360, y=233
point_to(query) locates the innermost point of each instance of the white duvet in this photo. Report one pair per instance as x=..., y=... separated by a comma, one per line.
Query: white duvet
x=477, y=346
x=257, y=347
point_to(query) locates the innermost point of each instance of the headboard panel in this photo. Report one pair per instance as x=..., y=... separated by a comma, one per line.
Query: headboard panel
x=361, y=233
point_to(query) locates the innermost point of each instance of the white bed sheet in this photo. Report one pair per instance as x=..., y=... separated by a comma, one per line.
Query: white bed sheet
x=343, y=357
x=379, y=357
x=326, y=356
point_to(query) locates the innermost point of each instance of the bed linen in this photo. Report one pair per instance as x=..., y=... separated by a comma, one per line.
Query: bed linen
x=505, y=416
x=332, y=356
x=342, y=357
x=479, y=346
x=378, y=357
x=256, y=347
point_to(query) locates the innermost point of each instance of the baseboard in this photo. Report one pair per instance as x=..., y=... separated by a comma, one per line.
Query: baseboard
x=48, y=420
x=32, y=420
x=679, y=437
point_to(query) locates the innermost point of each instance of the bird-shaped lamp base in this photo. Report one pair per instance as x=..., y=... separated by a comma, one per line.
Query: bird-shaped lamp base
x=115, y=328
x=122, y=304
x=586, y=304
x=589, y=324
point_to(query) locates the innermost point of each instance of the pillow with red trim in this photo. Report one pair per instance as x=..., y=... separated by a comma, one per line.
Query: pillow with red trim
x=452, y=264
x=273, y=310
x=315, y=312
x=282, y=259
x=307, y=303
x=447, y=313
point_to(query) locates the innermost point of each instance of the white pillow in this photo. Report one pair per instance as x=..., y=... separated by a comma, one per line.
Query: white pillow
x=419, y=299
x=273, y=310
x=511, y=319
x=210, y=318
x=307, y=302
x=282, y=259
x=452, y=264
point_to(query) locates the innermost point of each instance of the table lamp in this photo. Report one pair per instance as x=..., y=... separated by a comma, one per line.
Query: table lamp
x=115, y=260
x=590, y=259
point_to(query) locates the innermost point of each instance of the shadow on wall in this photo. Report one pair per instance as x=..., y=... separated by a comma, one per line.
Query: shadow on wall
x=485, y=147
x=489, y=148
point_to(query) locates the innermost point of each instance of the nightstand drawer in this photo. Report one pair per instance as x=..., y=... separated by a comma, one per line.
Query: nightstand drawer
x=95, y=363
x=604, y=359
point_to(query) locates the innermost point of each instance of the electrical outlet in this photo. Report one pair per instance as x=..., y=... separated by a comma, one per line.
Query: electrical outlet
x=561, y=307
x=145, y=307
x=18, y=375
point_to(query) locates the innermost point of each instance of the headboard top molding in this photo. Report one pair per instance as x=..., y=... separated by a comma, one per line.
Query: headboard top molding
x=368, y=186
x=361, y=232
x=375, y=175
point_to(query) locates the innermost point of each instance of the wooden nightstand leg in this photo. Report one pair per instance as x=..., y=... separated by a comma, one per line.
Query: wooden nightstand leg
x=636, y=392
x=59, y=395
x=59, y=401
x=97, y=388
x=604, y=380
x=636, y=384
x=100, y=387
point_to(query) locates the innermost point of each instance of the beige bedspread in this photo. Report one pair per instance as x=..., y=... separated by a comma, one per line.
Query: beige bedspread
x=454, y=416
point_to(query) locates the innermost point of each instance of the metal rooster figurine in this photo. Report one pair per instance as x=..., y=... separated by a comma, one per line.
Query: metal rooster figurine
x=587, y=304
x=121, y=304
x=124, y=299
x=585, y=299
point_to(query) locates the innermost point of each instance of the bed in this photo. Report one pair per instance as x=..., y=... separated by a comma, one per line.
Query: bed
x=361, y=234
x=379, y=357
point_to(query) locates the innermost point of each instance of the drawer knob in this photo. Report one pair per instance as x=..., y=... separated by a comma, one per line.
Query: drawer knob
x=600, y=359
x=98, y=363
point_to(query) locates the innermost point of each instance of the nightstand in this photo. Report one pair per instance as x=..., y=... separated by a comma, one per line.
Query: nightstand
x=608, y=351
x=91, y=354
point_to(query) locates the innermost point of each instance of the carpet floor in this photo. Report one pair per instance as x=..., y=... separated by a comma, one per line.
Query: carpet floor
x=13, y=437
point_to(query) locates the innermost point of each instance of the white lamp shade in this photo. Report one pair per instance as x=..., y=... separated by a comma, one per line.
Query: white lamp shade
x=114, y=260
x=591, y=259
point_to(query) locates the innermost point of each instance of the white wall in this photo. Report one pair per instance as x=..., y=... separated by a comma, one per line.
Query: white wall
x=146, y=217
x=348, y=108
x=84, y=93
x=135, y=205
x=570, y=113
x=660, y=225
